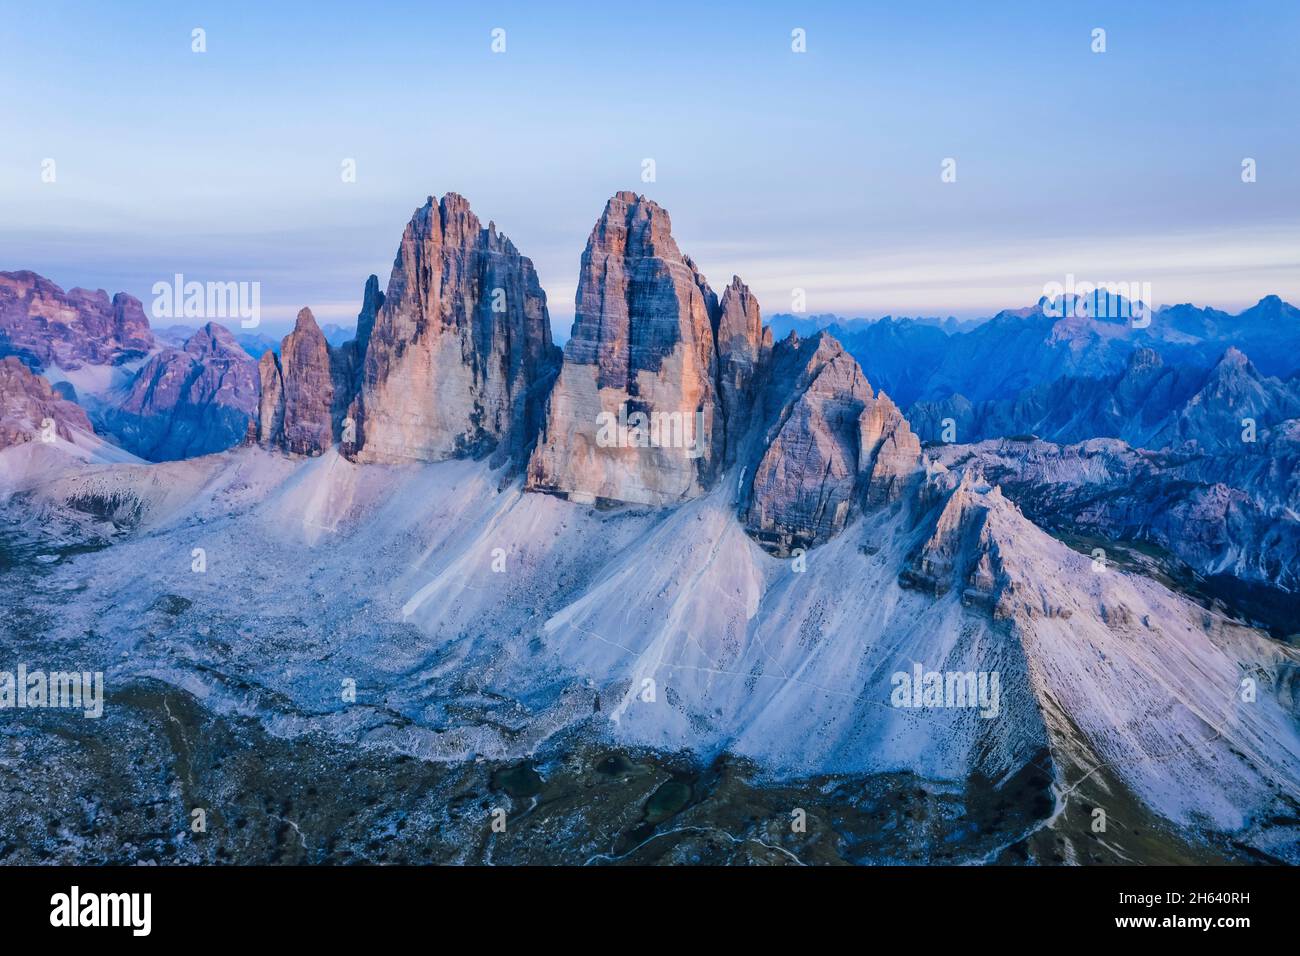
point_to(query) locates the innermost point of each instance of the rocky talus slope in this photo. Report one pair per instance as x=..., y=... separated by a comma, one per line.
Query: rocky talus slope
x=1228, y=524
x=750, y=588
x=672, y=629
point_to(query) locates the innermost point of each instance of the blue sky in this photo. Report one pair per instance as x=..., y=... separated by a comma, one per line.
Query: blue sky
x=818, y=171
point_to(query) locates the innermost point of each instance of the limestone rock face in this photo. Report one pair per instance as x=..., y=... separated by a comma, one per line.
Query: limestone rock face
x=347, y=369
x=298, y=410
x=270, y=407
x=188, y=402
x=46, y=326
x=635, y=414
x=959, y=531
x=804, y=482
x=829, y=445
x=30, y=410
x=460, y=357
x=743, y=348
x=889, y=455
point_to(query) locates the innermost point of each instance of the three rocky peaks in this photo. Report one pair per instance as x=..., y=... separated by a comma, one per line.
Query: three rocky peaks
x=662, y=389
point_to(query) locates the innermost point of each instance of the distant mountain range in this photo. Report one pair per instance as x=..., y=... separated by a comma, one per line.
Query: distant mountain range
x=783, y=323
x=254, y=343
x=932, y=359
x=1147, y=403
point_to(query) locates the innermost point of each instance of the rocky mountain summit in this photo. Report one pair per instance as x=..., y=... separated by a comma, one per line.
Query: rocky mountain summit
x=830, y=445
x=187, y=402
x=744, y=348
x=643, y=344
x=47, y=327
x=458, y=358
x=306, y=391
x=665, y=388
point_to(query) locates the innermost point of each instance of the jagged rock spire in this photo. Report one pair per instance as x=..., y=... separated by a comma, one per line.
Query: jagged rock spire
x=459, y=357
x=635, y=413
x=297, y=402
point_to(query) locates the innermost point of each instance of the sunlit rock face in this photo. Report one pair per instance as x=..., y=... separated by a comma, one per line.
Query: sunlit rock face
x=664, y=388
x=635, y=415
x=46, y=326
x=459, y=358
x=889, y=455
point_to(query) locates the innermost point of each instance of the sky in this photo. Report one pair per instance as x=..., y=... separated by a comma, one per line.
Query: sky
x=818, y=171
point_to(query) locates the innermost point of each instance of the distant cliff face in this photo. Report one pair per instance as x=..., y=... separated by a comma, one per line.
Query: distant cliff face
x=45, y=326
x=459, y=357
x=30, y=410
x=188, y=402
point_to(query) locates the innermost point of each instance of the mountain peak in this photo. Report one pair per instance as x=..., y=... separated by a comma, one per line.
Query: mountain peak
x=458, y=354
x=211, y=338
x=1233, y=358
x=643, y=343
x=305, y=321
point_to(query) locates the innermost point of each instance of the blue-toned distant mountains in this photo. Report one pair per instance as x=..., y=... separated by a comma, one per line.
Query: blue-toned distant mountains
x=1148, y=404
x=256, y=343
x=1017, y=349
x=1181, y=436
x=162, y=394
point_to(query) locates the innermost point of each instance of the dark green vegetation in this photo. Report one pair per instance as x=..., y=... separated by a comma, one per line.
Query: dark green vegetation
x=123, y=789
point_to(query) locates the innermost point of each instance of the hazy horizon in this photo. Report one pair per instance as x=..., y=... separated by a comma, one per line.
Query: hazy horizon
x=817, y=171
